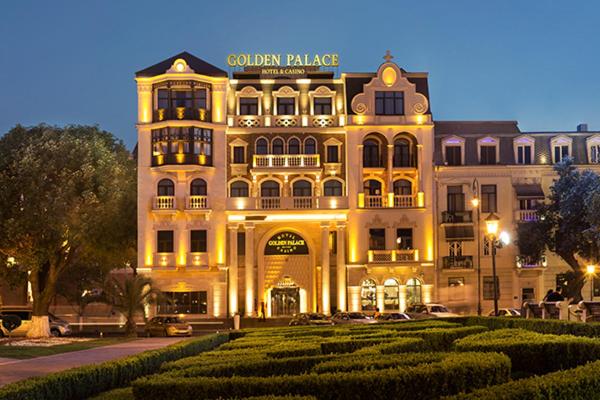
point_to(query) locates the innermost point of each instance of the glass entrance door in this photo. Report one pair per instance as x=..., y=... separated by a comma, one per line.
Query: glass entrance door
x=285, y=301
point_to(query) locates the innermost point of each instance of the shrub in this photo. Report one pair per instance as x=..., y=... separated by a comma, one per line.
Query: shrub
x=294, y=349
x=381, y=362
x=441, y=338
x=351, y=345
x=534, y=352
x=456, y=373
x=553, y=326
x=89, y=380
x=581, y=383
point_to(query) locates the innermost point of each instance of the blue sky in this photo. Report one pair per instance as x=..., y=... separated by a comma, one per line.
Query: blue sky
x=534, y=61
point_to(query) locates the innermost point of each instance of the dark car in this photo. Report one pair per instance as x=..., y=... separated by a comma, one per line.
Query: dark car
x=394, y=317
x=310, y=319
x=352, y=318
x=168, y=326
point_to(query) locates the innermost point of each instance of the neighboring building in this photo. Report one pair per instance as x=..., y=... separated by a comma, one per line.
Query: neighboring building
x=311, y=192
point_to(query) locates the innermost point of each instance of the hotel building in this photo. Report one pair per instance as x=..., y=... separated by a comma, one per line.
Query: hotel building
x=292, y=189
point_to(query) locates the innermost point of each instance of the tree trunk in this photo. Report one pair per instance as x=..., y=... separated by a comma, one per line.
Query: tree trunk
x=576, y=285
x=43, y=284
x=131, y=327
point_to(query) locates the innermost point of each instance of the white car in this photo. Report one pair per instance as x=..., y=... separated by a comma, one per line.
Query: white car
x=506, y=312
x=58, y=327
x=436, y=310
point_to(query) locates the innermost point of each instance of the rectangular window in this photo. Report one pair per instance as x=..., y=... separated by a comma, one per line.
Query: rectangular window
x=333, y=154
x=376, y=239
x=488, y=288
x=241, y=243
x=528, y=204
x=488, y=155
x=456, y=288
x=524, y=155
x=163, y=98
x=164, y=241
x=239, y=154
x=488, y=198
x=286, y=106
x=455, y=248
x=248, y=106
x=198, y=241
x=560, y=152
x=404, y=238
x=182, y=303
x=453, y=155
x=322, y=105
x=595, y=154
x=456, y=198
x=389, y=103
x=333, y=242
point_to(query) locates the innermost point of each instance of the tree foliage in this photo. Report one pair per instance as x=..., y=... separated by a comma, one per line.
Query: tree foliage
x=568, y=225
x=68, y=199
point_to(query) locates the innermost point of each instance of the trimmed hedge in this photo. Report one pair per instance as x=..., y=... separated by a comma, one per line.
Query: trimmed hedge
x=83, y=382
x=534, y=352
x=351, y=345
x=552, y=326
x=581, y=383
x=437, y=339
x=294, y=349
x=382, y=362
x=457, y=373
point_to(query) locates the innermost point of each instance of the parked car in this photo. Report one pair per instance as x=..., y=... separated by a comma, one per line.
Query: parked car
x=393, y=317
x=310, y=319
x=352, y=318
x=431, y=309
x=506, y=312
x=58, y=327
x=168, y=326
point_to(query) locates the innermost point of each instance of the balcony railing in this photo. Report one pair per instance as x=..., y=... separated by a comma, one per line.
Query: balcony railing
x=323, y=121
x=286, y=121
x=374, y=201
x=288, y=203
x=390, y=256
x=181, y=159
x=457, y=262
x=404, y=201
x=382, y=201
x=527, y=215
x=197, y=202
x=180, y=113
x=164, y=203
x=531, y=262
x=457, y=217
x=286, y=161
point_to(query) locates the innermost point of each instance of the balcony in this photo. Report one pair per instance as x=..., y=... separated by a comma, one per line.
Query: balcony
x=323, y=121
x=249, y=121
x=196, y=203
x=529, y=262
x=288, y=203
x=392, y=256
x=457, y=262
x=286, y=161
x=404, y=201
x=389, y=201
x=181, y=159
x=164, y=260
x=166, y=203
x=286, y=121
x=182, y=113
x=526, y=215
x=374, y=201
x=457, y=217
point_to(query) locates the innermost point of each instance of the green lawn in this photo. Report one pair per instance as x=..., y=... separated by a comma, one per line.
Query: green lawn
x=23, y=352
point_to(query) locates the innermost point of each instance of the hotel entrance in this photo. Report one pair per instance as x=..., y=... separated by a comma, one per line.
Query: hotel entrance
x=285, y=301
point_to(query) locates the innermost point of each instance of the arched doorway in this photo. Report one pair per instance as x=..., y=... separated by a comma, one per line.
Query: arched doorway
x=368, y=295
x=286, y=274
x=413, y=291
x=391, y=301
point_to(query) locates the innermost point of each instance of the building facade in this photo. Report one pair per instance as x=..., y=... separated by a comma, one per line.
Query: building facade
x=279, y=191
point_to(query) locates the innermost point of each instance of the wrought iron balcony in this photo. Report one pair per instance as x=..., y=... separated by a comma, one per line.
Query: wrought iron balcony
x=182, y=113
x=527, y=262
x=457, y=217
x=457, y=262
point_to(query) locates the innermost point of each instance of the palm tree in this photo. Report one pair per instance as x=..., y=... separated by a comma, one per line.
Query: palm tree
x=129, y=298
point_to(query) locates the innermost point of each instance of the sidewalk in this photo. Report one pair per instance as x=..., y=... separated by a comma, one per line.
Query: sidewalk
x=15, y=370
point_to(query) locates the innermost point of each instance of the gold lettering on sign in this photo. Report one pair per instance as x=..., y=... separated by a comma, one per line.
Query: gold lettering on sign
x=291, y=60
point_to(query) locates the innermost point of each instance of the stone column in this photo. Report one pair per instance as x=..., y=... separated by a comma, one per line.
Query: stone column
x=359, y=178
x=380, y=297
x=390, y=168
x=341, y=266
x=325, y=294
x=249, y=266
x=233, y=269
x=420, y=166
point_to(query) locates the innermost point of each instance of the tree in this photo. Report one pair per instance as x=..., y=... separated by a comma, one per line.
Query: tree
x=68, y=199
x=568, y=225
x=129, y=297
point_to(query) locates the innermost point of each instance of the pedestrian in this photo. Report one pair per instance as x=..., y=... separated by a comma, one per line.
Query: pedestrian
x=548, y=294
x=263, y=317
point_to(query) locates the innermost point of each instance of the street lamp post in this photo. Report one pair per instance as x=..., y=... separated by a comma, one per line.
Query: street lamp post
x=492, y=223
x=591, y=271
x=475, y=204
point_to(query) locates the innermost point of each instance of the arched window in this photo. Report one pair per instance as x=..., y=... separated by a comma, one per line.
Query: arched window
x=269, y=189
x=198, y=187
x=413, y=291
x=402, y=187
x=332, y=188
x=277, y=146
x=372, y=187
x=293, y=146
x=368, y=295
x=302, y=188
x=166, y=188
x=402, y=153
x=391, y=300
x=310, y=146
x=239, y=189
x=262, y=146
x=371, y=154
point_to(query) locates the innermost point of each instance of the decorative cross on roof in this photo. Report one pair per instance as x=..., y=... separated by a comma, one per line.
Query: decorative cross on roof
x=388, y=56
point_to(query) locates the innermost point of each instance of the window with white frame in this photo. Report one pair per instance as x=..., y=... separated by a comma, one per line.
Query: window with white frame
x=561, y=148
x=524, y=150
x=593, y=149
x=453, y=149
x=488, y=151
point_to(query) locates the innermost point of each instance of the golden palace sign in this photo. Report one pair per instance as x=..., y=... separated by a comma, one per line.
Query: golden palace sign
x=286, y=243
x=285, y=60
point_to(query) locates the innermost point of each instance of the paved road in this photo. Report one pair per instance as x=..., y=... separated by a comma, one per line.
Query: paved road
x=12, y=370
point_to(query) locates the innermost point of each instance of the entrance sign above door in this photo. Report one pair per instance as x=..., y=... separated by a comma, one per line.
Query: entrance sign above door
x=286, y=243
